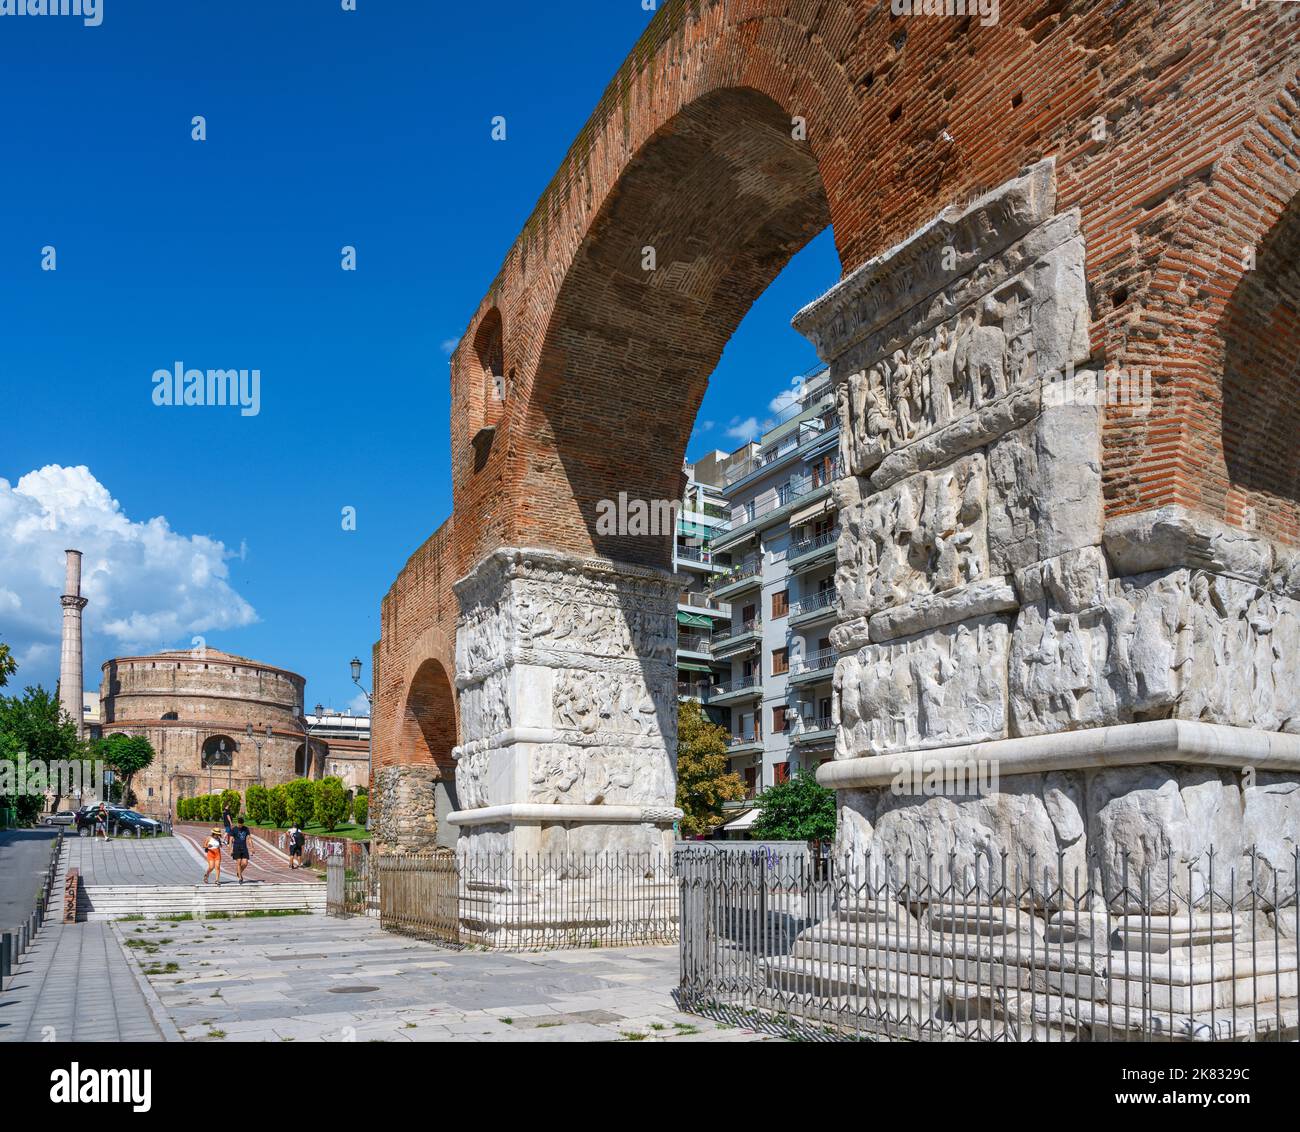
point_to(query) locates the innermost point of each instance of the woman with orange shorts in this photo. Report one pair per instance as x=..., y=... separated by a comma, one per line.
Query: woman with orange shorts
x=212, y=847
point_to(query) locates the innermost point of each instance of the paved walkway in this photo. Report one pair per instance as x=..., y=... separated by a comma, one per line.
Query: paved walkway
x=319, y=978
x=265, y=865
x=24, y=857
x=75, y=983
x=170, y=860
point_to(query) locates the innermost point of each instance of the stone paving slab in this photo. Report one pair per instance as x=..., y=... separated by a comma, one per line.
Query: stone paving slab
x=266, y=980
x=127, y=861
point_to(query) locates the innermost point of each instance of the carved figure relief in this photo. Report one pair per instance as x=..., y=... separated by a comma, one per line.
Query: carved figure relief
x=925, y=534
x=960, y=365
x=946, y=686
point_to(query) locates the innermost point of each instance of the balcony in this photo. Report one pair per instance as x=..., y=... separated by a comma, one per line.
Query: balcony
x=816, y=666
x=813, y=730
x=744, y=744
x=740, y=577
x=808, y=552
x=815, y=607
x=690, y=600
x=796, y=491
x=731, y=639
x=698, y=644
x=734, y=691
x=698, y=690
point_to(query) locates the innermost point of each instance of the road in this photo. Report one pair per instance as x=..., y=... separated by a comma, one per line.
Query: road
x=24, y=857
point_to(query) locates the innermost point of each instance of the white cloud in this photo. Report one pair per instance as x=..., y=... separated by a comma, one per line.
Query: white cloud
x=785, y=399
x=745, y=430
x=148, y=587
x=449, y=345
x=359, y=705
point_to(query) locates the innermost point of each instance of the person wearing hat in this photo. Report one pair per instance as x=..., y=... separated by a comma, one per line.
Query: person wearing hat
x=212, y=847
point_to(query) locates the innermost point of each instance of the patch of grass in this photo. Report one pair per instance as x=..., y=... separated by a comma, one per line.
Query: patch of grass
x=177, y=917
x=508, y=1021
x=257, y=913
x=410, y=1025
x=161, y=968
x=685, y=1028
x=146, y=945
x=632, y=1035
x=547, y=1025
x=658, y=1026
x=217, y=916
x=132, y=916
x=217, y=1034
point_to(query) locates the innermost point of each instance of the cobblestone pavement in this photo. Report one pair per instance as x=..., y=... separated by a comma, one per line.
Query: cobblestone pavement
x=317, y=978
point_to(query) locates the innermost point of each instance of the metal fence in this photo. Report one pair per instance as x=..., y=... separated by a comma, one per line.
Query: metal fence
x=519, y=902
x=347, y=884
x=929, y=950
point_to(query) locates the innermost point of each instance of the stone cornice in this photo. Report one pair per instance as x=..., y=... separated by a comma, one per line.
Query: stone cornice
x=900, y=278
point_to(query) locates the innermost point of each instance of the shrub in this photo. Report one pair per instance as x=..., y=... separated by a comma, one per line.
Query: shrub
x=231, y=799
x=256, y=800
x=300, y=800
x=331, y=802
x=276, y=805
x=361, y=809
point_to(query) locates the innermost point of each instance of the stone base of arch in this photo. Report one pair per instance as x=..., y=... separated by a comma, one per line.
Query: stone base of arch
x=565, y=670
x=405, y=808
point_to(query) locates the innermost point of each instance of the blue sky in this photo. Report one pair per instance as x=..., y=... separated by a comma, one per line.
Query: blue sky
x=325, y=128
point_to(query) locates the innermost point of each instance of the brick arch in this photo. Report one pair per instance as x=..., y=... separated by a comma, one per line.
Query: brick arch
x=703, y=219
x=1226, y=293
x=428, y=727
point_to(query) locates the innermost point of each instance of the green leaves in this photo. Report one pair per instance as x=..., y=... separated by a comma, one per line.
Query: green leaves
x=704, y=782
x=798, y=809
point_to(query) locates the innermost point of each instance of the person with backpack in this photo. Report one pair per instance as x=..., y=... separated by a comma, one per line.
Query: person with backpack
x=296, y=839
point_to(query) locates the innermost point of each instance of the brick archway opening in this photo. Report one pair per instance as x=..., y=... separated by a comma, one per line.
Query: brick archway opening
x=1261, y=385
x=701, y=221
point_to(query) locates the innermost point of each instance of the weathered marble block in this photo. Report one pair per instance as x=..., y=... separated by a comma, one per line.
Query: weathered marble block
x=566, y=673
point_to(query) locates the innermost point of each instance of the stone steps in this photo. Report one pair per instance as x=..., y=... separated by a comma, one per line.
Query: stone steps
x=113, y=902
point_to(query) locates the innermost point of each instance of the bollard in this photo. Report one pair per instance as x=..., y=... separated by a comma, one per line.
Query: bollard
x=6, y=958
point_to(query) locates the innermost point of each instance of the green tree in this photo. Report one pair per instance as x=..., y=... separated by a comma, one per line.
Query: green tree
x=8, y=666
x=255, y=797
x=34, y=728
x=299, y=801
x=799, y=809
x=361, y=809
x=331, y=802
x=277, y=805
x=230, y=799
x=703, y=781
x=125, y=755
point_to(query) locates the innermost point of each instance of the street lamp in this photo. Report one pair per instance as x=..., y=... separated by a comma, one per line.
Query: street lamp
x=306, y=742
x=370, y=731
x=259, y=744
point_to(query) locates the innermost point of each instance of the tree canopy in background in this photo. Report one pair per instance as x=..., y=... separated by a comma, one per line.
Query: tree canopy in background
x=704, y=781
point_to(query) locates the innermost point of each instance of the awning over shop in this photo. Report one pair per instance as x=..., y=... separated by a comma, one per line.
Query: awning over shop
x=742, y=823
x=691, y=666
x=695, y=620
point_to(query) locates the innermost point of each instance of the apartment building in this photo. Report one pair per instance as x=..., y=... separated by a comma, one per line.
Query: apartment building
x=772, y=560
x=699, y=614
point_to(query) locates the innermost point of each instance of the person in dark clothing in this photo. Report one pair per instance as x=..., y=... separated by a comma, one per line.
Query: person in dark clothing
x=240, y=838
x=225, y=817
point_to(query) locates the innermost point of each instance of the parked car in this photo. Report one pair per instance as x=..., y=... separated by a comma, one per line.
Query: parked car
x=130, y=820
x=63, y=817
x=85, y=817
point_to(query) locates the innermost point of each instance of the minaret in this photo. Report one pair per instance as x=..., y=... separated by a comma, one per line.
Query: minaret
x=70, y=674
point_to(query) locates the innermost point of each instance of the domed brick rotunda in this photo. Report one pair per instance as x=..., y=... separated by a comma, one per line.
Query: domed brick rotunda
x=196, y=708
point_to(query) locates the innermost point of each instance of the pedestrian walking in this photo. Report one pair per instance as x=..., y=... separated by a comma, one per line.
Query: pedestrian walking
x=240, y=839
x=212, y=850
x=296, y=839
x=225, y=816
x=101, y=821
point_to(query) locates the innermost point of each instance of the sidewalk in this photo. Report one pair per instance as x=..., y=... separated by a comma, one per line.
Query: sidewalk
x=76, y=983
x=266, y=865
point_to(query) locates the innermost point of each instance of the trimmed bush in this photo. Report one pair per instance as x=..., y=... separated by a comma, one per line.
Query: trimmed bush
x=331, y=802
x=300, y=801
x=255, y=798
x=277, y=806
x=361, y=809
